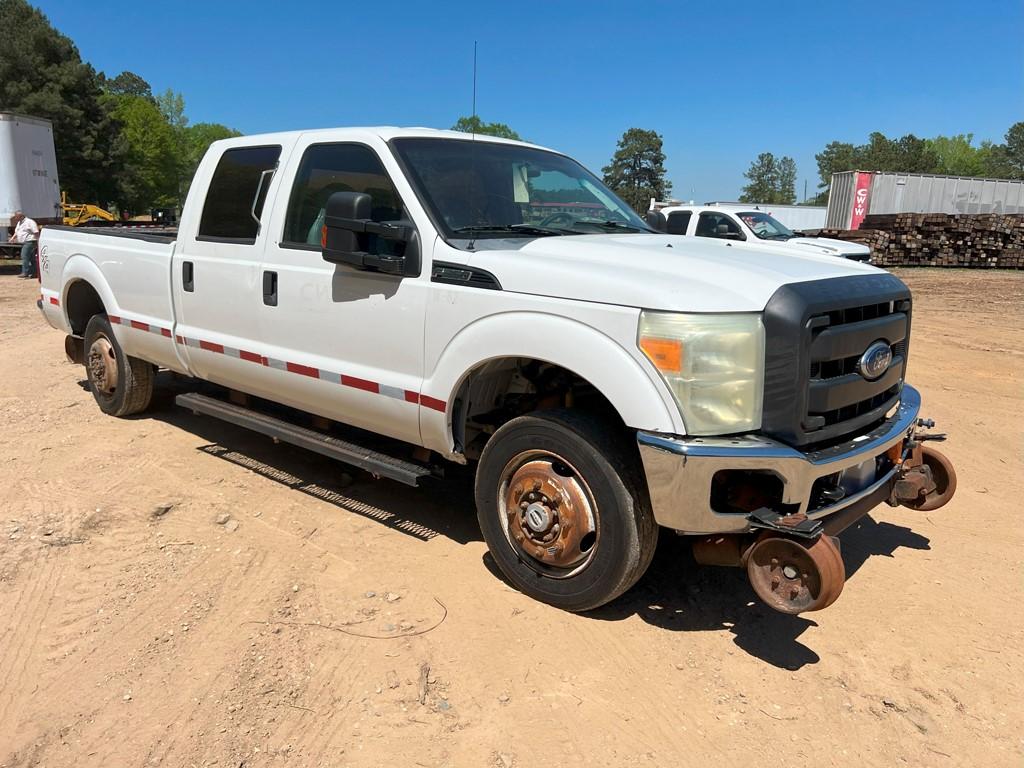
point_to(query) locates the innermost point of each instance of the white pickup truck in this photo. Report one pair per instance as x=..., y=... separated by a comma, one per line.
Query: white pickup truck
x=745, y=226
x=488, y=302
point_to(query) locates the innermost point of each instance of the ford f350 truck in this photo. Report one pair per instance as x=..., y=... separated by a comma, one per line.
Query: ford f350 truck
x=417, y=293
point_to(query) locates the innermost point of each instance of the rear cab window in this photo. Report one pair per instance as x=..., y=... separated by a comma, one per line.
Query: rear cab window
x=678, y=222
x=238, y=190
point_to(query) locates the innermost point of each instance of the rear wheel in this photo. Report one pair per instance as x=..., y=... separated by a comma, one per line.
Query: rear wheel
x=121, y=385
x=562, y=510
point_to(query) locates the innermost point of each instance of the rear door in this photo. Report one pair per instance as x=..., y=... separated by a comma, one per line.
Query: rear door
x=347, y=343
x=216, y=268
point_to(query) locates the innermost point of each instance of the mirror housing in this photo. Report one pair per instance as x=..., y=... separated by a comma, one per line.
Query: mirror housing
x=656, y=220
x=351, y=237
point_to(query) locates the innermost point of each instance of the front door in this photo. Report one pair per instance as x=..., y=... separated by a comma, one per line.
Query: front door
x=348, y=343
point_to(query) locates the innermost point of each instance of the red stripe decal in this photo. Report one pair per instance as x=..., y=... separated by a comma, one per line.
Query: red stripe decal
x=165, y=332
x=179, y=339
x=252, y=357
x=114, y=319
x=368, y=386
x=209, y=346
x=305, y=370
x=433, y=403
x=55, y=301
x=140, y=326
x=412, y=397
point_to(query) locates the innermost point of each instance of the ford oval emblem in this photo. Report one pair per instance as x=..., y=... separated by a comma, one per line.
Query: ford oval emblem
x=875, y=360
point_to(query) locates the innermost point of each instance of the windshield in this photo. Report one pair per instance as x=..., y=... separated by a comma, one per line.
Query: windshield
x=765, y=227
x=480, y=189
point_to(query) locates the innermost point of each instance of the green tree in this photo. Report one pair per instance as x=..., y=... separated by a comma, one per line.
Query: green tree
x=957, y=157
x=1006, y=161
x=150, y=175
x=198, y=138
x=126, y=84
x=474, y=124
x=42, y=74
x=770, y=181
x=637, y=170
x=172, y=107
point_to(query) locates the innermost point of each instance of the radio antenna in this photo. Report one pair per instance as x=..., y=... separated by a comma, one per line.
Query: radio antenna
x=474, y=87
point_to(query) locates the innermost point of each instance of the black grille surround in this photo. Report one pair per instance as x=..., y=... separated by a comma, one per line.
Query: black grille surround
x=815, y=332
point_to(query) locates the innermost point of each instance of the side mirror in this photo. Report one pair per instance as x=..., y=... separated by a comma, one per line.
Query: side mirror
x=350, y=236
x=656, y=220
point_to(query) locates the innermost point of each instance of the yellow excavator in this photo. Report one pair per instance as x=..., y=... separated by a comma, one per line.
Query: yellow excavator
x=76, y=214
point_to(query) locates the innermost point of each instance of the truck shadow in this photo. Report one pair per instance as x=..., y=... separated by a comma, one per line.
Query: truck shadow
x=676, y=594
x=439, y=507
x=680, y=595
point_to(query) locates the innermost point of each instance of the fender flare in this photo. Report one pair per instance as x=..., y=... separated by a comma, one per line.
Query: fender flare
x=632, y=390
x=79, y=267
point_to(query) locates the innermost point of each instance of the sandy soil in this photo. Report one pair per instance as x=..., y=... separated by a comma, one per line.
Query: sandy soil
x=136, y=630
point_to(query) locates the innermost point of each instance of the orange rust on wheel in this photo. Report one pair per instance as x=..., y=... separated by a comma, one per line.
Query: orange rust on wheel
x=549, y=513
x=944, y=477
x=102, y=362
x=793, y=576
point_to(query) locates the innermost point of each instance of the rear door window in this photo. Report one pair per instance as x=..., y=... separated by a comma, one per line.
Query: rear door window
x=329, y=168
x=238, y=190
x=678, y=221
x=718, y=225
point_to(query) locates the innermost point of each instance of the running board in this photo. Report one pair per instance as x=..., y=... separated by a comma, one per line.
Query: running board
x=377, y=463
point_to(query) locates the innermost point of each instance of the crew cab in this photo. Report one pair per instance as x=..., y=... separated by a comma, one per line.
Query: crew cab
x=746, y=226
x=401, y=299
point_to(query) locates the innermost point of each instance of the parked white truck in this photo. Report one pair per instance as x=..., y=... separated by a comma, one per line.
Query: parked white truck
x=491, y=302
x=28, y=174
x=745, y=226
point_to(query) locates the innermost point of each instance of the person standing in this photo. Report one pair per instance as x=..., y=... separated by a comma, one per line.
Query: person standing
x=26, y=232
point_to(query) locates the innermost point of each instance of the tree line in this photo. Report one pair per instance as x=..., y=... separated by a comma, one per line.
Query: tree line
x=119, y=144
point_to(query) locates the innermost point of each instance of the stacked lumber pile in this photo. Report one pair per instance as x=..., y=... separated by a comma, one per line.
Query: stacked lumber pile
x=940, y=239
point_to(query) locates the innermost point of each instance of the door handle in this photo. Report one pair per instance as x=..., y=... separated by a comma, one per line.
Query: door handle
x=188, y=276
x=270, y=289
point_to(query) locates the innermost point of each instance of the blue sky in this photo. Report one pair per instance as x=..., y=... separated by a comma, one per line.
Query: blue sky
x=720, y=81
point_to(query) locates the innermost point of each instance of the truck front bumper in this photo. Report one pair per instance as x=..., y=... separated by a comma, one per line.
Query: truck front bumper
x=681, y=472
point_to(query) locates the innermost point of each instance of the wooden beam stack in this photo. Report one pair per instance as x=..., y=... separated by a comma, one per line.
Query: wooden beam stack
x=939, y=239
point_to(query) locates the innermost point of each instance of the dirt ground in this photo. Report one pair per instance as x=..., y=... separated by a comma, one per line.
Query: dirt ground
x=136, y=630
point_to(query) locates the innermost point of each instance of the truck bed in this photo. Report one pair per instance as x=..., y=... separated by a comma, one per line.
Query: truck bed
x=151, y=234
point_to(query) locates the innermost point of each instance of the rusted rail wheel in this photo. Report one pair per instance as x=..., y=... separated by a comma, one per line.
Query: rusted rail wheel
x=944, y=477
x=793, y=576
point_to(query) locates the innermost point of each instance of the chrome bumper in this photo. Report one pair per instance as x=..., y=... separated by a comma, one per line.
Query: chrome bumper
x=680, y=470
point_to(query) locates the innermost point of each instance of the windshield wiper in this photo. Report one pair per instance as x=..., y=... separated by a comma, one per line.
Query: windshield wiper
x=613, y=225
x=529, y=230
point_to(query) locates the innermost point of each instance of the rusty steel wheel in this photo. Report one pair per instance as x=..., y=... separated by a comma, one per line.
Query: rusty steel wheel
x=121, y=384
x=102, y=364
x=793, y=576
x=944, y=477
x=548, y=513
x=561, y=509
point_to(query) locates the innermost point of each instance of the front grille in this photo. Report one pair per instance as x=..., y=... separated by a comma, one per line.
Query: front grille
x=816, y=333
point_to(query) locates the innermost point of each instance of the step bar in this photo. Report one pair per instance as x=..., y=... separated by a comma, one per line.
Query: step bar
x=377, y=463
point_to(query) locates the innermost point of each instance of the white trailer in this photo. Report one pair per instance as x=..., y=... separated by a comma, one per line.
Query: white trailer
x=28, y=170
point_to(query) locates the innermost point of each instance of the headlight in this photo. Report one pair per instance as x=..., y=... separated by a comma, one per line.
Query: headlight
x=714, y=365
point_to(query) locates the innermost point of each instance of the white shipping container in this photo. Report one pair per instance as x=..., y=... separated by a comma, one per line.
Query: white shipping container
x=855, y=194
x=28, y=169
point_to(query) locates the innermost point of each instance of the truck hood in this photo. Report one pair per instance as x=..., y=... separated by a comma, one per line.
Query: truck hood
x=663, y=272
x=830, y=246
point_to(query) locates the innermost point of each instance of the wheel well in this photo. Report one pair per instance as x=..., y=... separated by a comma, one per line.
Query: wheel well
x=82, y=302
x=503, y=388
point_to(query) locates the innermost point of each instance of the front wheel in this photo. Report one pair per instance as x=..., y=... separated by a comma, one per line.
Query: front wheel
x=562, y=511
x=121, y=385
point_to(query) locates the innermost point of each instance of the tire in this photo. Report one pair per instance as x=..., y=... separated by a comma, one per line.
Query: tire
x=581, y=486
x=130, y=389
